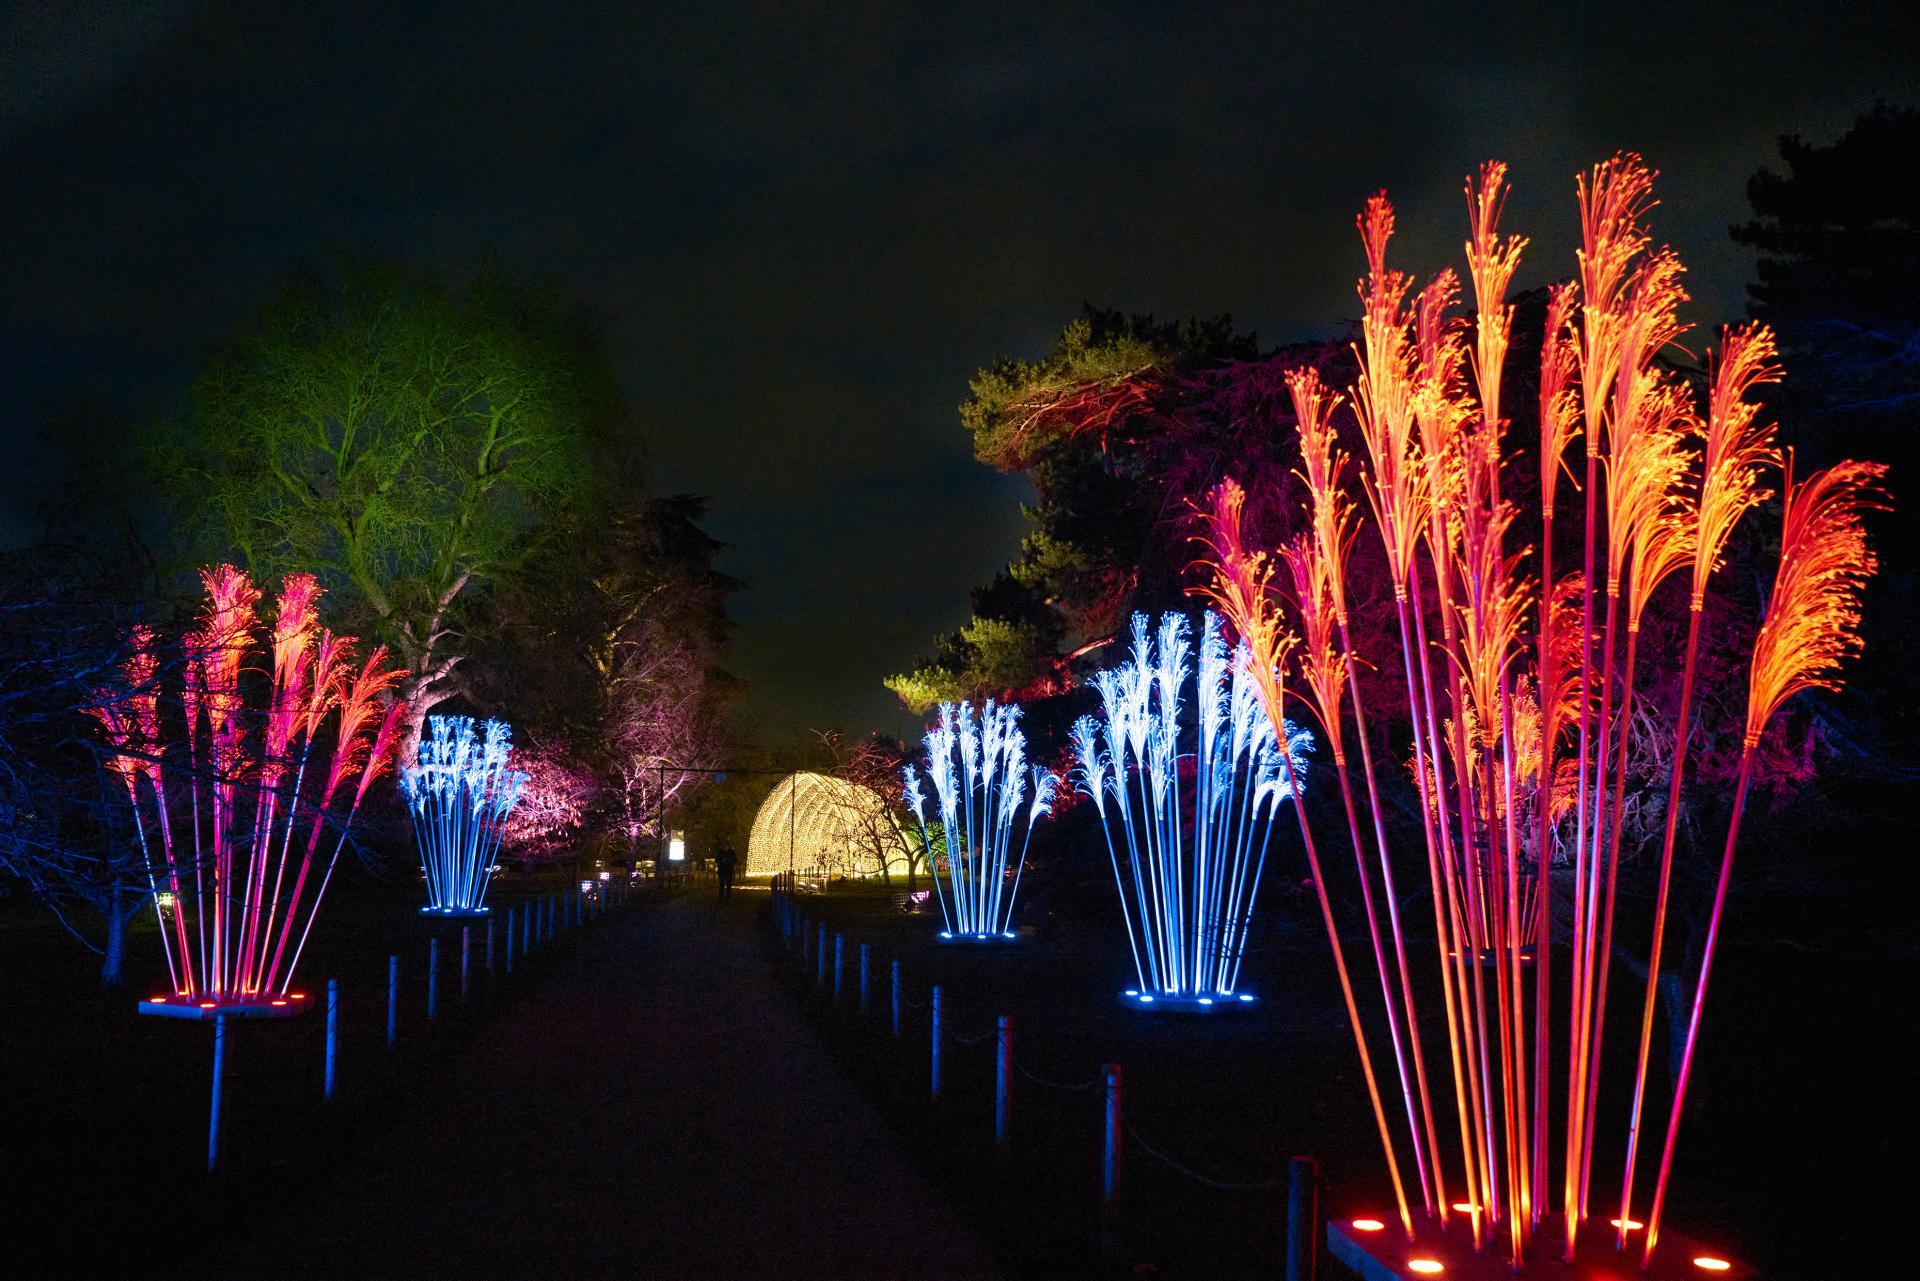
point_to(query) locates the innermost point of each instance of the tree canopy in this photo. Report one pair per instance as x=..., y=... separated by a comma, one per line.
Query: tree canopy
x=406, y=438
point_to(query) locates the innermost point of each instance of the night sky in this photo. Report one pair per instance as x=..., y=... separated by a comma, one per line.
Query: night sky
x=805, y=231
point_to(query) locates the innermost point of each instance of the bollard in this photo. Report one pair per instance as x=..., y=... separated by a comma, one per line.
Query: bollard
x=509, y=940
x=433, y=977
x=526, y=928
x=1110, y=1167
x=936, y=1042
x=465, y=951
x=1003, y=1085
x=1110, y=1156
x=896, y=998
x=489, y=947
x=333, y=1032
x=866, y=982
x=839, y=957
x=820, y=957
x=393, y=1001
x=1303, y=1216
x=219, y=1072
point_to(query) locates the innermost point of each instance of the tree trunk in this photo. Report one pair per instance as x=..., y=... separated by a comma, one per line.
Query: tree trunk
x=118, y=916
x=1673, y=998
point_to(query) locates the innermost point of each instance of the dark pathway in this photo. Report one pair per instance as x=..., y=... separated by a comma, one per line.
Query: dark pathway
x=653, y=1106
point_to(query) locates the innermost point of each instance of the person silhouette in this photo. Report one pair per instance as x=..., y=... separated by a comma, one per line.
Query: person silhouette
x=723, y=861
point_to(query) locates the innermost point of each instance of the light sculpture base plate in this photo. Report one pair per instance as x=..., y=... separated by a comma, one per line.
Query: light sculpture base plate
x=980, y=938
x=1377, y=1250
x=263, y=1007
x=1185, y=1003
x=455, y=913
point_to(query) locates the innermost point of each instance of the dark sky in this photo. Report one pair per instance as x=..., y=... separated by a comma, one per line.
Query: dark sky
x=806, y=227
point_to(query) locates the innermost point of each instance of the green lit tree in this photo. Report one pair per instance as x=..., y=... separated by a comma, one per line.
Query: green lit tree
x=409, y=440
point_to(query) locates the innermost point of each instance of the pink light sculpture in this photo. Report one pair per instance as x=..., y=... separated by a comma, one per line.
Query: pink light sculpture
x=235, y=783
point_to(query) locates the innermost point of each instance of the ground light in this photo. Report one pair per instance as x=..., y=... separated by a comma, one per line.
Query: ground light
x=1186, y=859
x=1376, y=1250
x=980, y=776
x=460, y=790
x=231, y=801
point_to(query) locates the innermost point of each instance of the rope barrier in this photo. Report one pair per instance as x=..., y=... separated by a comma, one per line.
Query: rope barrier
x=974, y=1040
x=1220, y=1185
x=1055, y=1085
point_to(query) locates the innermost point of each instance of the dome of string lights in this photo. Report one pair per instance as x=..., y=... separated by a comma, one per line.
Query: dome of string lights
x=820, y=825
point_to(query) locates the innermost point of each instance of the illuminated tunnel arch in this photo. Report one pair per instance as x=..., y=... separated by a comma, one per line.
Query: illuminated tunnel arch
x=818, y=824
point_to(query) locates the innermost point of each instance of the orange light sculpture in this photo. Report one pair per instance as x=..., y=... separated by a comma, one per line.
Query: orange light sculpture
x=1520, y=705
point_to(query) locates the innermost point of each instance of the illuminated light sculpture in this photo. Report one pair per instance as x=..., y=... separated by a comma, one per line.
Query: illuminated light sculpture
x=1193, y=859
x=821, y=825
x=980, y=776
x=1520, y=705
x=460, y=792
x=257, y=773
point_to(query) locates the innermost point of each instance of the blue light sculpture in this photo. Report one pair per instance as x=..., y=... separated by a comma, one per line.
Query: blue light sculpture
x=980, y=779
x=1194, y=860
x=460, y=791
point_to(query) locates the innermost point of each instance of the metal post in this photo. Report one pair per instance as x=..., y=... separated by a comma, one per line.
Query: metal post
x=466, y=950
x=1110, y=1157
x=1303, y=1216
x=509, y=940
x=820, y=957
x=896, y=998
x=393, y=1001
x=1003, y=1085
x=1110, y=1166
x=839, y=957
x=936, y=1041
x=333, y=1031
x=489, y=947
x=526, y=928
x=219, y=1073
x=433, y=977
x=866, y=978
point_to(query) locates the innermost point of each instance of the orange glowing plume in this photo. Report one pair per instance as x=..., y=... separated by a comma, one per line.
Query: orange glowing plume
x=1559, y=403
x=1812, y=622
x=1738, y=446
x=1242, y=586
x=1490, y=626
x=1326, y=464
x=1491, y=262
x=1323, y=667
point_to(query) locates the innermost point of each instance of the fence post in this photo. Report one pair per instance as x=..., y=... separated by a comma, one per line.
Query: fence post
x=1003, y=1086
x=465, y=950
x=839, y=959
x=936, y=1041
x=1303, y=1219
x=393, y=1001
x=820, y=958
x=896, y=998
x=526, y=927
x=489, y=948
x=1110, y=1155
x=333, y=1032
x=866, y=979
x=433, y=977
x=219, y=1074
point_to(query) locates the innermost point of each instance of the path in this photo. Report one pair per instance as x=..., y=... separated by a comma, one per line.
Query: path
x=652, y=1106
